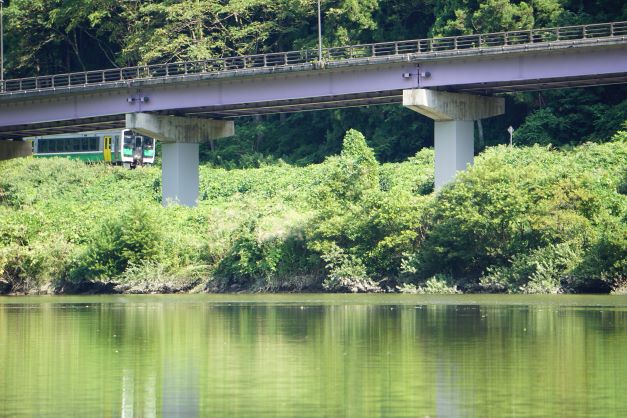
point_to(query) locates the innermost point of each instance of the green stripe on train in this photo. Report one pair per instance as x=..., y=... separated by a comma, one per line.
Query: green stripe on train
x=90, y=156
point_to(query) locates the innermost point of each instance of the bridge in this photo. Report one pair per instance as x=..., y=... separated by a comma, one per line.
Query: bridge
x=452, y=80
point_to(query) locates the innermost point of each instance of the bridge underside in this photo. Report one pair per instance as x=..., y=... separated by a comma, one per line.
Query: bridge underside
x=231, y=111
x=298, y=89
x=209, y=112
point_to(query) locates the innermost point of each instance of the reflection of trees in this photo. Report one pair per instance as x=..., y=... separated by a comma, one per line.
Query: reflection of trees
x=149, y=356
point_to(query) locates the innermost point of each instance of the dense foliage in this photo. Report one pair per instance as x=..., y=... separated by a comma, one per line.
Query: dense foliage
x=52, y=36
x=530, y=219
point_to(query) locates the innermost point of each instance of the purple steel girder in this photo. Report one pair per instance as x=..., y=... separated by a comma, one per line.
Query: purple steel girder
x=289, y=89
x=521, y=69
x=309, y=89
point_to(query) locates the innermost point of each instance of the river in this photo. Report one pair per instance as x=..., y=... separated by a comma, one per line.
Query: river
x=311, y=355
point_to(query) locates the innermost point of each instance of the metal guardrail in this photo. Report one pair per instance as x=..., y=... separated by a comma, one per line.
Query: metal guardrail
x=282, y=59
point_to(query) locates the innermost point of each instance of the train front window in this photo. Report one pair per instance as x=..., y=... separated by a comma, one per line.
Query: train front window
x=149, y=143
x=128, y=139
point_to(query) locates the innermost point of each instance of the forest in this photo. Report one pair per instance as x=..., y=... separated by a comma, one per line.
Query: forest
x=336, y=200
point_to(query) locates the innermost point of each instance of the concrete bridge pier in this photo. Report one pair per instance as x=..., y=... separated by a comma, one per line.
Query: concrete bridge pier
x=180, y=139
x=15, y=149
x=454, y=115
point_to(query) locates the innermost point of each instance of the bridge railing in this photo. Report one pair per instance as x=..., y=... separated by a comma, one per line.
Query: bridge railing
x=352, y=52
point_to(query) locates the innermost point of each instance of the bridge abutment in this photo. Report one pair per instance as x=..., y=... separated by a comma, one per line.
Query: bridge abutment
x=454, y=115
x=15, y=149
x=180, y=139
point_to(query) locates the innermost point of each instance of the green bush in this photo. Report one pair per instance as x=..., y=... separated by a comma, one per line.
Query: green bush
x=606, y=256
x=436, y=285
x=544, y=270
x=359, y=230
x=346, y=272
x=31, y=268
x=265, y=260
x=513, y=203
x=131, y=238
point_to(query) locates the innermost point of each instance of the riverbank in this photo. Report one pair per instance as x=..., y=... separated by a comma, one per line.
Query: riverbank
x=522, y=220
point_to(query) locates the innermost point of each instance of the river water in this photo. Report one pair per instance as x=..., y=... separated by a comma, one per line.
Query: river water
x=310, y=355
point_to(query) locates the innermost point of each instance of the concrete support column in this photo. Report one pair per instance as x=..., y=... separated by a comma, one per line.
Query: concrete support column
x=179, y=168
x=454, y=115
x=454, y=149
x=180, y=139
x=15, y=149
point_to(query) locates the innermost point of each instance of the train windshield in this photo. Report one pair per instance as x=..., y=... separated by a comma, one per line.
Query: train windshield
x=149, y=143
x=128, y=139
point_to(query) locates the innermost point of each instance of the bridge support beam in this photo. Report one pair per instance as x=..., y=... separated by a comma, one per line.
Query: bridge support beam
x=180, y=139
x=15, y=149
x=454, y=115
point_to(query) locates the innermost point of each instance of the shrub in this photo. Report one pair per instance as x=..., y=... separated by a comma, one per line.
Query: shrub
x=131, y=238
x=436, y=285
x=31, y=268
x=544, y=270
x=265, y=260
x=346, y=273
x=512, y=203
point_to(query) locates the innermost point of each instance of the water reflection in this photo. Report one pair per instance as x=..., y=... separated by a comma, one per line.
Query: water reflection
x=193, y=356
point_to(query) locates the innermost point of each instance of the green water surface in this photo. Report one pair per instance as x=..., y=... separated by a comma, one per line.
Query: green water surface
x=313, y=356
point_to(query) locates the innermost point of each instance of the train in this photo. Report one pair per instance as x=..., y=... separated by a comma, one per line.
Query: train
x=121, y=147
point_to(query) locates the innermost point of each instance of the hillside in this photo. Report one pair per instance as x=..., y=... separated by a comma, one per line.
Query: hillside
x=529, y=219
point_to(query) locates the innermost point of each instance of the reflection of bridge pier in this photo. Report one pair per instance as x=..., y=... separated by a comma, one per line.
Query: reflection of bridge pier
x=139, y=396
x=358, y=75
x=181, y=388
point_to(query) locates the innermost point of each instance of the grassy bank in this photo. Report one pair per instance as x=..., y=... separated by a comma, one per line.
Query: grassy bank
x=534, y=220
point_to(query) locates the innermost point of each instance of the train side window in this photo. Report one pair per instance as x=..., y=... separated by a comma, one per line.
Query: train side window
x=76, y=144
x=42, y=146
x=93, y=144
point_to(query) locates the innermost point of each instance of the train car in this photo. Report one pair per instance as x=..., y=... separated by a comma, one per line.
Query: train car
x=122, y=147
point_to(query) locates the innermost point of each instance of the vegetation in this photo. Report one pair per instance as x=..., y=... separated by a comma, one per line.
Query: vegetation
x=522, y=220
